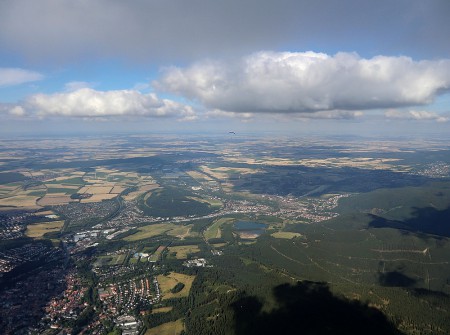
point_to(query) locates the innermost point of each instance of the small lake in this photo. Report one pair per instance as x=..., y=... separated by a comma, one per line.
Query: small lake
x=250, y=227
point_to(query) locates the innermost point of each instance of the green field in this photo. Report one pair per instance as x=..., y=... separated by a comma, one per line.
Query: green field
x=285, y=234
x=168, y=282
x=69, y=181
x=11, y=177
x=104, y=261
x=157, y=254
x=183, y=251
x=214, y=231
x=150, y=231
x=171, y=229
x=119, y=259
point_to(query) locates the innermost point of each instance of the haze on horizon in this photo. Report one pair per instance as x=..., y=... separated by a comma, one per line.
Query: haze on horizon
x=300, y=67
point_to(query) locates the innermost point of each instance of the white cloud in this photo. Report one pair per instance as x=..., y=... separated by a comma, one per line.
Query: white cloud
x=89, y=103
x=17, y=111
x=15, y=76
x=308, y=82
x=217, y=113
x=416, y=115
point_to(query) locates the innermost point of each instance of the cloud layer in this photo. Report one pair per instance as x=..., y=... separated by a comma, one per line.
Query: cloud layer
x=309, y=82
x=416, y=115
x=15, y=76
x=86, y=102
x=68, y=30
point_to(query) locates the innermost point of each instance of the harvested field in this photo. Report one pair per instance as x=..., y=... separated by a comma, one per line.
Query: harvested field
x=216, y=174
x=98, y=198
x=45, y=213
x=141, y=190
x=96, y=189
x=68, y=180
x=54, y=199
x=117, y=189
x=169, y=328
x=199, y=176
x=247, y=235
x=8, y=188
x=218, y=245
x=162, y=310
x=70, y=187
x=68, y=191
x=20, y=201
x=361, y=162
x=38, y=230
x=229, y=170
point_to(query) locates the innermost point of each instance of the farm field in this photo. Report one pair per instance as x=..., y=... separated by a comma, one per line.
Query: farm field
x=156, y=256
x=168, y=282
x=357, y=224
x=285, y=235
x=54, y=199
x=183, y=251
x=38, y=230
x=169, y=328
x=214, y=231
x=20, y=201
x=154, y=230
x=162, y=309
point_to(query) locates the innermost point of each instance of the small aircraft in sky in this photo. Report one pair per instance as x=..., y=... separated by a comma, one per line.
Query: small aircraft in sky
x=231, y=132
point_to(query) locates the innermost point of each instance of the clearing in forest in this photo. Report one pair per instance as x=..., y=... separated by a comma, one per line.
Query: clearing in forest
x=168, y=282
x=168, y=328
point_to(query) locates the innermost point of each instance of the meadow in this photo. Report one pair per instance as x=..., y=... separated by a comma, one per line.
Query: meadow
x=168, y=282
x=168, y=328
x=40, y=229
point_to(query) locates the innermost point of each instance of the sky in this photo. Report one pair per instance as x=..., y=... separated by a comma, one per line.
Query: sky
x=341, y=67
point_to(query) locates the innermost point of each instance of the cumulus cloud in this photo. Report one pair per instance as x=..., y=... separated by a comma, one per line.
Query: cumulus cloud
x=415, y=115
x=86, y=102
x=309, y=82
x=15, y=76
x=17, y=111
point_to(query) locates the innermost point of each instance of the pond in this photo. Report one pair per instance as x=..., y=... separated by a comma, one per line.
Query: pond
x=250, y=228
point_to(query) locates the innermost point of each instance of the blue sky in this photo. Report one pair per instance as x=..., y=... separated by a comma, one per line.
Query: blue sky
x=342, y=67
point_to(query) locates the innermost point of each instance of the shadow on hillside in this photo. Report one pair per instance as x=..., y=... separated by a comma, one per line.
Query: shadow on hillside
x=421, y=292
x=427, y=220
x=301, y=180
x=395, y=279
x=309, y=308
